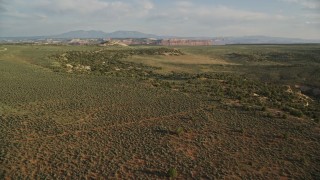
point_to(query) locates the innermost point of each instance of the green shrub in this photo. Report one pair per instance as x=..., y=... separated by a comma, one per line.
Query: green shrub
x=296, y=112
x=284, y=116
x=179, y=131
x=172, y=173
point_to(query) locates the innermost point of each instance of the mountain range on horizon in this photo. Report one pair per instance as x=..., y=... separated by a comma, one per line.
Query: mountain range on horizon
x=83, y=34
x=102, y=34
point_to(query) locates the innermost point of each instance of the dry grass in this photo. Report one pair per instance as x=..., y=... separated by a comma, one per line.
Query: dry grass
x=183, y=63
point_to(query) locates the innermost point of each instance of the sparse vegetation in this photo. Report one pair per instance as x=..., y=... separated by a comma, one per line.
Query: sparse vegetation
x=132, y=112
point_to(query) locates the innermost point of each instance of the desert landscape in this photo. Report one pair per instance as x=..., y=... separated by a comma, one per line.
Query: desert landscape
x=151, y=112
x=149, y=89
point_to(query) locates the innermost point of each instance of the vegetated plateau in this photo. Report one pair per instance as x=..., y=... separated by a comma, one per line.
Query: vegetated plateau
x=224, y=112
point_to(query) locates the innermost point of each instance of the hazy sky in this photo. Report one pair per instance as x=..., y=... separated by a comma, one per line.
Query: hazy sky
x=283, y=18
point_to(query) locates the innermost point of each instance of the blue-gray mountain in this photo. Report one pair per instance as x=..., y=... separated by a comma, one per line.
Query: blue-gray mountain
x=101, y=34
x=135, y=34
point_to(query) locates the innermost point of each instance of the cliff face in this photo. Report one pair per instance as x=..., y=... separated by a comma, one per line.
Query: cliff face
x=186, y=42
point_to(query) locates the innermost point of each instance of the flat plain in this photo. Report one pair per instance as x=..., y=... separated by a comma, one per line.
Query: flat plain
x=218, y=112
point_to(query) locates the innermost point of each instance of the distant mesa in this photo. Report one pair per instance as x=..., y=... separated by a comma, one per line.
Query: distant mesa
x=183, y=40
x=130, y=34
x=113, y=43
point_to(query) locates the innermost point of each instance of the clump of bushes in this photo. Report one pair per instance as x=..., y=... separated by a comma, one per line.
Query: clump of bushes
x=293, y=111
x=106, y=62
